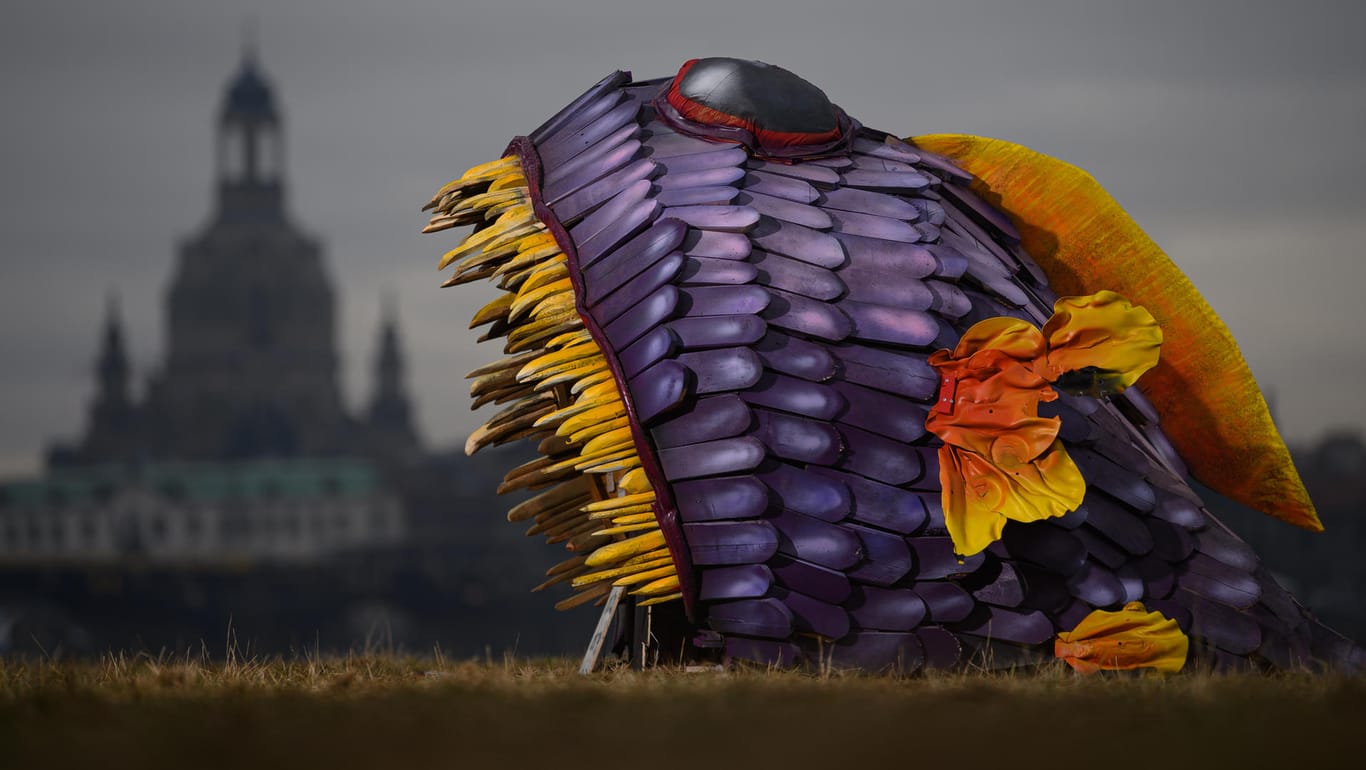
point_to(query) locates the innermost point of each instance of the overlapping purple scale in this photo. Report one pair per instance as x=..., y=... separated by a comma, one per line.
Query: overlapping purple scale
x=795, y=276
x=988, y=622
x=945, y=602
x=646, y=315
x=721, y=176
x=873, y=257
x=816, y=581
x=928, y=210
x=618, y=232
x=899, y=372
x=746, y=581
x=723, y=369
x=881, y=413
x=785, y=209
x=632, y=258
x=730, y=542
x=797, y=438
x=733, y=219
x=790, y=394
x=935, y=558
x=985, y=268
x=623, y=200
x=701, y=161
x=942, y=166
x=716, y=245
x=889, y=148
x=882, y=459
x=1100, y=548
x=713, y=458
x=699, y=196
x=1053, y=549
x=877, y=652
x=805, y=171
x=654, y=346
x=892, y=325
x=980, y=210
x=610, y=156
x=1217, y=543
x=1044, y=591
x=1096, y=585
x=904, y=182
x=576, y=205
x=871, y=226
x=810, y=539
x=588, y=113
x=942, y=649
x=1121, y=483
x=889, y=290
x=832, y=161
x=658, y=390
x=787, y=187
x=798, y=242
x=1132, y=581
x=814, y=616
x=564, y=147
x=716, y=331
x=1219, y=624
x=804, y=315
x=607, y=85
x=886, y=609
x=706, y=419
x=633, y=292
x=797, y=357
x=721, y=499
x=754, y=617
x=1215, y=580
x=1170, y=542
x=663, y=143
x=1004, y=589
x=1158, y=577
x=886, y=557
x=701, y=271
x=698, y=301
x=804, y=492
x=1118, y=524
x=880, y=505
x=849, y=199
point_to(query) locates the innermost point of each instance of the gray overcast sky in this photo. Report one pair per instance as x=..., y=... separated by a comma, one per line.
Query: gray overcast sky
x=1230, y=130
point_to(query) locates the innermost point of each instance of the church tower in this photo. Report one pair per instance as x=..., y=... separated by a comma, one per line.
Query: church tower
x=113, y=423
x=389, y=419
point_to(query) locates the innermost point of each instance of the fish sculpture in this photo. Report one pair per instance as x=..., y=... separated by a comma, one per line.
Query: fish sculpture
x=812, y=394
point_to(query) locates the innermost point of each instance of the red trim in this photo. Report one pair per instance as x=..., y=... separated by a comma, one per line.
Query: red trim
x=710, y=116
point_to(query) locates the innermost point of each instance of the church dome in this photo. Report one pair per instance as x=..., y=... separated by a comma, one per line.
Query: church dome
x=249, y=96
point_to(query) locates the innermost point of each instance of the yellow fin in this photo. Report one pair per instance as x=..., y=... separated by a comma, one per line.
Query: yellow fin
x=1210, y=404
x=1124, y=639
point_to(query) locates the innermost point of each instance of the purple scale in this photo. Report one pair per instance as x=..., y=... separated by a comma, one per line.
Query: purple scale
x=886, y=609
x=765, y=652
x=1215, y=580
x=886, y=289
x=1119, y=449
x=716, y=245
x=849, y=199
x=834, y=161
x=707, y=419
x=723, y=543
x=871, y=163
x=658, y=390
x=816, y=541
x=733, y=219
x=942, y=649
x=617, y=233
x=722, y=370
x=634, y=256
x=1170, y=542
x=899, y=372
x=1005, y=589
x=610, y=83
x=983, y=212
x=734, y=497
x=928, y=211
x=1134, y=396
x=884, y=228
x=615, y=153
x=949, y=263
x=802, y=243
x=945, y=602
x=1132, y=581
x=877, y=652
x=795, y=276
x=886, y=557
x=713, y=458
x=881, y=413
x=1050, y=548
x=797, y=357
x=779, y=186
x=661, y=273
x=746, y=581
x=809, y=493
x=717, y=331
x=785, y=210
x=892, y=149
x=1124, y=485
x=813, y=616
x=1221, y=626
x=1166, y=449
x=1099, y=548
x=796, y=438
x=880, y=505
x=701, y=161
x=790, y=394
x=1007, y=625
x=1181, y=512
x=664, y=143
x=655, y=345
x=754, y=617
x=796, y=313
x=1096, y=585
x=588, y=113
x=698, y=196
x=710, y=177
x=1219, y=544
x=700, y=271
x=816, y=581
x=1044, y=590
x=935, y=558
x=626, y=199
x=698, y=301
x=886, y=181
x=892, y=325
x=655, y=310
x=1158, y=577
x=879, y=257
x=949, y=300
x=928, y=233
x=804, y=171
x=1118, y=524
x=987, y=270
x=881, y=459
x=563, y=148
x=943, y=166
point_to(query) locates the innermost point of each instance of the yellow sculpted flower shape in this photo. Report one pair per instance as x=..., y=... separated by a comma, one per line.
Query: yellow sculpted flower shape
x=1000, y=460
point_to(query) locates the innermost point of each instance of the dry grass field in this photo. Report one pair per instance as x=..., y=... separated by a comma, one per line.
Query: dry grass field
x=392, y=712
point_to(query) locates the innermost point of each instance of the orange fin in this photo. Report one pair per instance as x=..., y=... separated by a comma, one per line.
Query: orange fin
x=1123, y=640
x=1211, y=406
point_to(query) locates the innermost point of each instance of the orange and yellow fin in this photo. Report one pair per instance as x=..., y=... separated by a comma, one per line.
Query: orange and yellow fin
x=1124, y=640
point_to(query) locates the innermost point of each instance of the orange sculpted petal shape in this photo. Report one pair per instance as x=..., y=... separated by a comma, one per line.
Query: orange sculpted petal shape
x=1124, y=640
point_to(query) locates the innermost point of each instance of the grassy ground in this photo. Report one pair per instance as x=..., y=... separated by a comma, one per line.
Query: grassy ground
x=386, y=712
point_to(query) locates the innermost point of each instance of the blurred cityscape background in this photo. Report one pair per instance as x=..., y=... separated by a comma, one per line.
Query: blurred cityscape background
x=224, y=486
